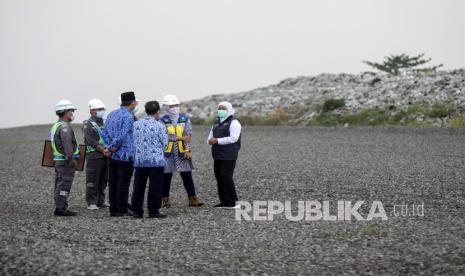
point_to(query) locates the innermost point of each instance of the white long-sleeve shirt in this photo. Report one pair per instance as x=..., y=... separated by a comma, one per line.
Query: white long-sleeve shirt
x=234, y=133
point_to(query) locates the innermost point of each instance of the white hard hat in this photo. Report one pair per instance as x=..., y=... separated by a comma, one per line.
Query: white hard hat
x=170, y=100
x=95, y=104
x=64, y=105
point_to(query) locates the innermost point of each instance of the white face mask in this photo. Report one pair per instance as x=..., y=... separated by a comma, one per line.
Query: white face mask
x=174, y=110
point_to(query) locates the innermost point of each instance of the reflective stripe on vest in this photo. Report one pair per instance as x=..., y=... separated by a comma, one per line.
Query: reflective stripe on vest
x=101, y=141
x=56, y=154
x=175, y=131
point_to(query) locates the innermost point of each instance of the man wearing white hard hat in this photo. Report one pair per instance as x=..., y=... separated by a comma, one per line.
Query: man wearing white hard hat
x=65, y=152
x=177, y=153
x=97, y=156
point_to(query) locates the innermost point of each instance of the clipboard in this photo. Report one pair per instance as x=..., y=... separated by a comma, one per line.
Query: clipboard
x=47, y=156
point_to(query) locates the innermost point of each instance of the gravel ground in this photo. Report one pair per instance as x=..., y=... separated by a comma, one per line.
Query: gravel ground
x=393, y=165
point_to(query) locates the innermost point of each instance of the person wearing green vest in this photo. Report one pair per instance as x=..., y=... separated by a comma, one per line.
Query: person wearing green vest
x=65, y=152
x=97, y=156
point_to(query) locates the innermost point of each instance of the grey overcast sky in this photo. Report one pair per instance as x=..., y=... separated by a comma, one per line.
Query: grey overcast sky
x=81, y=49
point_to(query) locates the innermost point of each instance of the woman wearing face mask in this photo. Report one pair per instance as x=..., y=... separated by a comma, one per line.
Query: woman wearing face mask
x=225, y=139
x=177, y=153
x=97, y=156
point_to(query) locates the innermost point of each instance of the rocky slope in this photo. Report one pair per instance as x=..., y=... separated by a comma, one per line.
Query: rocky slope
x=365, y=90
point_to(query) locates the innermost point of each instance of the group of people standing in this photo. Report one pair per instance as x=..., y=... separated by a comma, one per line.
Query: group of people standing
x=148, y=149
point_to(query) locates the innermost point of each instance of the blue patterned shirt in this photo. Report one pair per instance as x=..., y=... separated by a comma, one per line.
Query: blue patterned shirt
x=150, y=141
x=118, y=130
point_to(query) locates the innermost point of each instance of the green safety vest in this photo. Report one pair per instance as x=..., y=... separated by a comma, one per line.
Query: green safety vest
x=57, y=156
x=101, y=141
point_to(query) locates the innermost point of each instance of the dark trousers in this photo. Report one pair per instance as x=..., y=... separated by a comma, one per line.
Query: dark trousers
x=224, y=171
x=64, y=177
x=155, y=176
x=120, y=174
x=186, y=180
x=96, y=181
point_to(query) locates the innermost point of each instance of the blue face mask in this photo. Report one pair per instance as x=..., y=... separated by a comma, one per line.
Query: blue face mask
x=135, y=110
x=222, y=113
x=100, y=114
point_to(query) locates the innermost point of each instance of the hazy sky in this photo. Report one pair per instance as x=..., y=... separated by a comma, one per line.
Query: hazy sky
x=77, y=50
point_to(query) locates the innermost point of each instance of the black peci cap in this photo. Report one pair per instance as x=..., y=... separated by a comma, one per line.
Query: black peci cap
x=128, y=97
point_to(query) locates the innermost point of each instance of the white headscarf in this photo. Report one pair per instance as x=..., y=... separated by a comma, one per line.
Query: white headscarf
x=229, y=107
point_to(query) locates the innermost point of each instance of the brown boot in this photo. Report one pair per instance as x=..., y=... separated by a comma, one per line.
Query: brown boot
x=165, y=202
x=194, y=201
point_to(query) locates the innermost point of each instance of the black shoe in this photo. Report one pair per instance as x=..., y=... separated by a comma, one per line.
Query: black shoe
x=66, y=213
x=158, y=215
x=137, y=216
x=218, y=205
x=116, y=214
